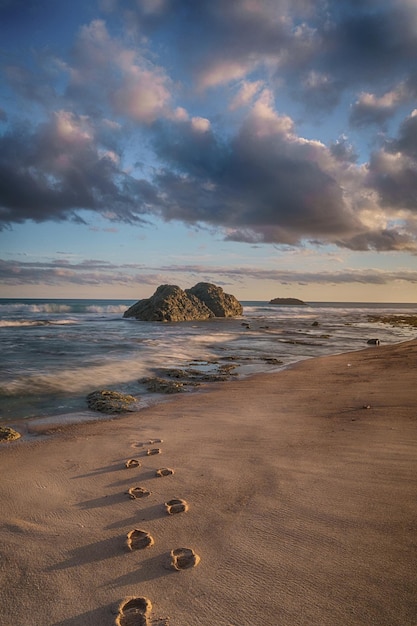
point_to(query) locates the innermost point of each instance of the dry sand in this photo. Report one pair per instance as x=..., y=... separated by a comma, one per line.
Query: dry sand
x=302, y=505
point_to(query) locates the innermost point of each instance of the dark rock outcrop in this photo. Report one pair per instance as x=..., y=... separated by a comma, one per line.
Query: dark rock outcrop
x=220, y=303
x=170, y=303
x=287, y=302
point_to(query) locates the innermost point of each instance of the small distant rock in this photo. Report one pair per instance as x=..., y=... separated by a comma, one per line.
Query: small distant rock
x=287, y=302
x=107, y=401
x=8, y=434
x=373, y=342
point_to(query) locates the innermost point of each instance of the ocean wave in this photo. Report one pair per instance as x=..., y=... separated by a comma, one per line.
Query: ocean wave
x=58, y=308
x=47, y=307
x=26, y=323
x=110, y=308
x=74, y=381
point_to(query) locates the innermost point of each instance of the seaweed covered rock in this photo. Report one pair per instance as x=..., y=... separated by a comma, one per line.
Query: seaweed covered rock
x=8, y=434
x=161, y=385
x=107, y=401
x=170, y=303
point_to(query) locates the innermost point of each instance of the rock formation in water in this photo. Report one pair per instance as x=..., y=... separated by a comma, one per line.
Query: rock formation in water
x=170, y=303
x=220, y=303
x=287, y=302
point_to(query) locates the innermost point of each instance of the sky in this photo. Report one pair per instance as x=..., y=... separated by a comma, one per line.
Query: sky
x=268, y=146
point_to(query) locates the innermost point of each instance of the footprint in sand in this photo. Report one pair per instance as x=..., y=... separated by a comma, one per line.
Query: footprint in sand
x=176, y=505
x=139, y=539
x=152, y=451
x=183, y=558
x=164, y=471
x=134, y=612
x=138, y=492
x=152, y=442
x=132, y=463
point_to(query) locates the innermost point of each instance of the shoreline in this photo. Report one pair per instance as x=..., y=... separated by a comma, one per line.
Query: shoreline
x=302, y=503
x=56, y=367
x=48, y=425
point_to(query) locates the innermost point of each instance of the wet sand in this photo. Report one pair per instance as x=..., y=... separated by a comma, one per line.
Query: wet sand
x=296, y=492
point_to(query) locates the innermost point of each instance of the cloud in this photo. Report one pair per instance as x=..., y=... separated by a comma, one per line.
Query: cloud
x=406, y=143
x=221, y=42
x=371, y=109
x=256, y=180
x=93, y=272
x=123, y=77
x=269, y=185
x=101, y=76
x=34, y=86
x=60, y=167
x=392, y=172
x=343, y=151
x=246, y=93
x=263, y=184
x=58, y=272
x=369, y=41
x=318, y=50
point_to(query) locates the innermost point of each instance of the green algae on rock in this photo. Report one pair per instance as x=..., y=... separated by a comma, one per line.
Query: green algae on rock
x=107, y=401
x=395, y=320
x=8, y=434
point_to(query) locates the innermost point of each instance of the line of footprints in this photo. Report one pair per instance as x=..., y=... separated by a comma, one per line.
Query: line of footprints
x=137, y=611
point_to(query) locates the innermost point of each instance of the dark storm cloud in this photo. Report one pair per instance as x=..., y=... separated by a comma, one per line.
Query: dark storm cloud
x=369, y=41
x=343, y=151
x=367, y=111
x=392, y=171
x=371, y=109
x=264, y=185
x=407, y=137
x=52, y=171
x=383, y=240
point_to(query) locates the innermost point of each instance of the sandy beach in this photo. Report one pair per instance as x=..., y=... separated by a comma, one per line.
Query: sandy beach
x=301, y=489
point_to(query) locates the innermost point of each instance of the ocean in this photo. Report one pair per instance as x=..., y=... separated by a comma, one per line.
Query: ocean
x=55, y=352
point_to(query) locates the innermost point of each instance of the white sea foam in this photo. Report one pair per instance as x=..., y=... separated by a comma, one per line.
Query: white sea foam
x=77, y=380
x=120, y=308
x=17, y=323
